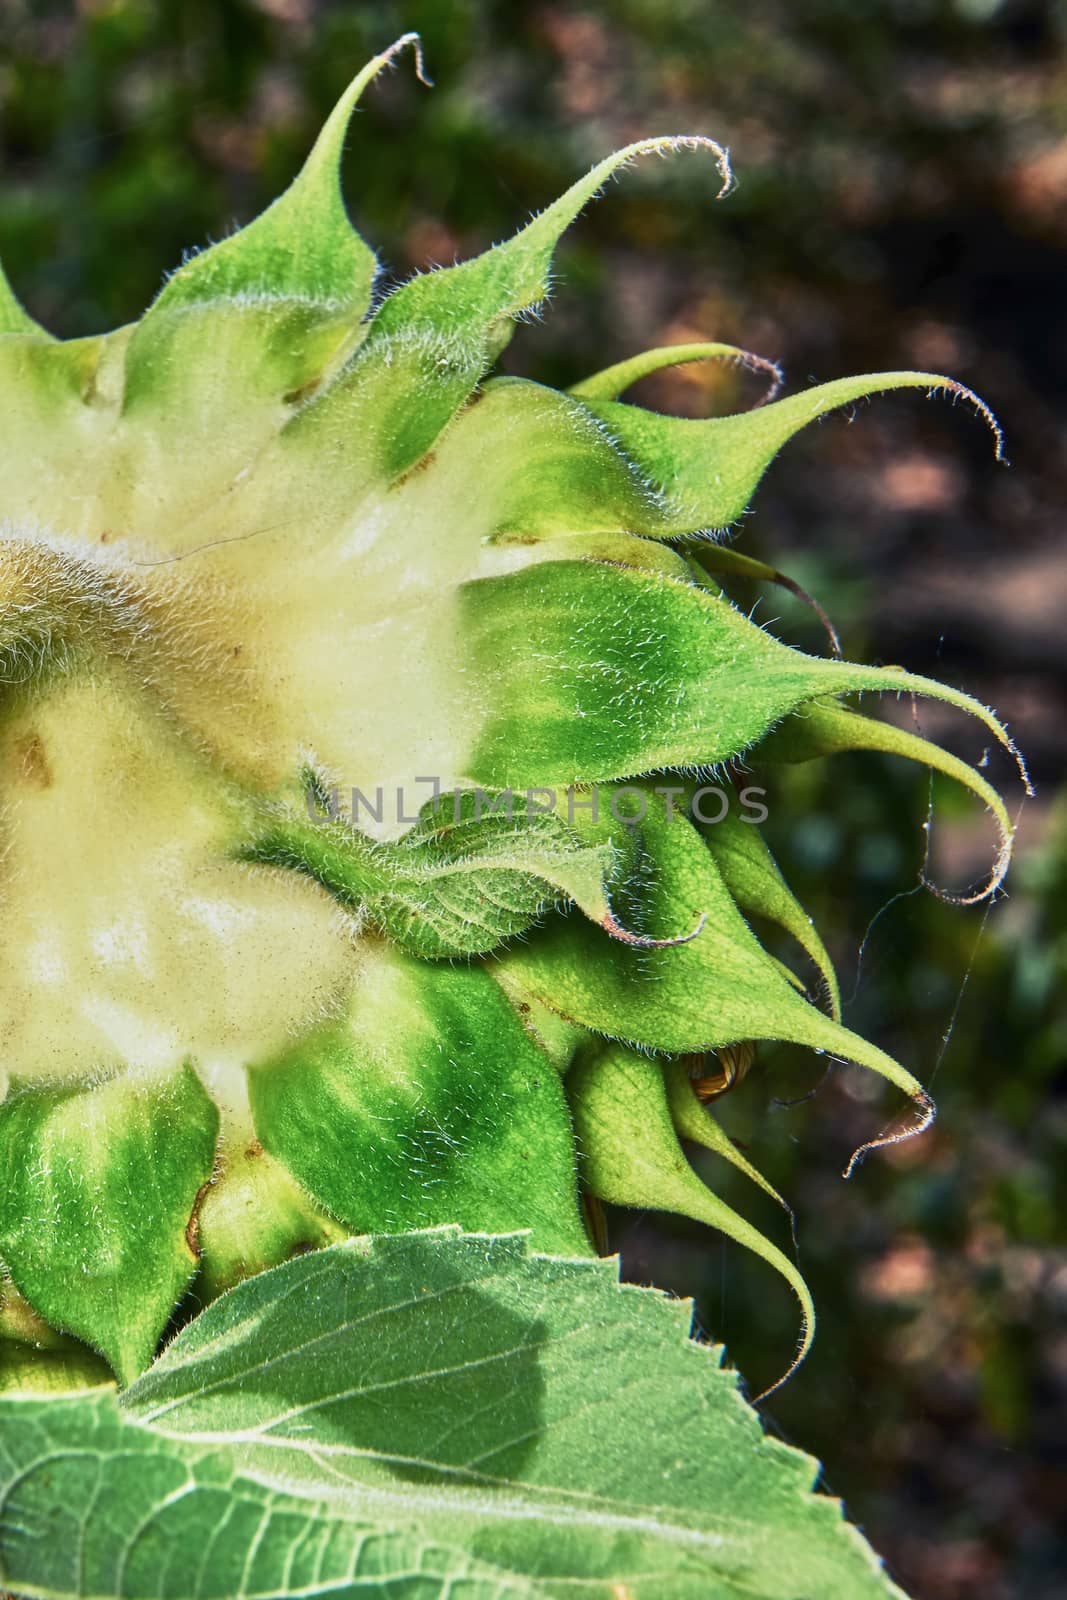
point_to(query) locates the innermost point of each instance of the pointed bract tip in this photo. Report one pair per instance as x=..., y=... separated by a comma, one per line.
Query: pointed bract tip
x=927, y=1112
x=304, y=246
x=804, y=1344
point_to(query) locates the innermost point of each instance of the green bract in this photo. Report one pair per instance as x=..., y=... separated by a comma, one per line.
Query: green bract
x=323, y=657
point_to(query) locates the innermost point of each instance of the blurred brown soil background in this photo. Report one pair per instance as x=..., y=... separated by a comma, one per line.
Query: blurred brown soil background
x=902, y=201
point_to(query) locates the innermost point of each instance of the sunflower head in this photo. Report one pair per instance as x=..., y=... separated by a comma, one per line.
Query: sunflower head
x=353, y=707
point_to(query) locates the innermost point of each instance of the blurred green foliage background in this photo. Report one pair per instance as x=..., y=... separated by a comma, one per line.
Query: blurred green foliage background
x=902, y=201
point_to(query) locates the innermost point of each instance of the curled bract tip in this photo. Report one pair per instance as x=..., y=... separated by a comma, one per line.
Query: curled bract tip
x=754, y=363
x=667, y=144
x=996, y=876
x=406, y=41
x=944, y=762
x=611, y=382
x=640, y=941
x=927, y=1112
x=988, y=415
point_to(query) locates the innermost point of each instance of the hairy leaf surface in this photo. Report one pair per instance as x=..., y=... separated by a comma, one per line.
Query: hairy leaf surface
x=353, y=1422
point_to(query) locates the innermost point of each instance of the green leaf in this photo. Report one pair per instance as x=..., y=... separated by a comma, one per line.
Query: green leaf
x=427, y=1103
x=423, y=1417
x=96, y=1506
x=466, y=877
x=97, y=1195
x=600, y=672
